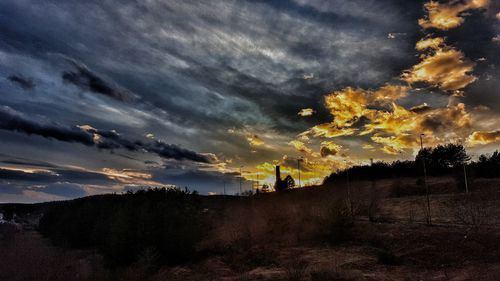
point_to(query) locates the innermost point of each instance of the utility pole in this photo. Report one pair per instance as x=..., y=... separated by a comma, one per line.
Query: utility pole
x=465, y=178
x=349, y=191
x=465, y=172
x=425, y=182
x=241, y=178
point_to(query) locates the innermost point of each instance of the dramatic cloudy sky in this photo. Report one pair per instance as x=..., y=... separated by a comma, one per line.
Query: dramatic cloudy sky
x=104, y=96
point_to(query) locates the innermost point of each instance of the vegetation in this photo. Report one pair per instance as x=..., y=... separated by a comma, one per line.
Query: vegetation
x=160, y=224
x=450, y=159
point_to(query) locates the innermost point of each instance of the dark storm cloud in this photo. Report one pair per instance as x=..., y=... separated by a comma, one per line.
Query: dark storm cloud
x=26, y=162
x=15, y=121
x=172, y=151
x=54, y=175
x=23, y=82
x=87, y=80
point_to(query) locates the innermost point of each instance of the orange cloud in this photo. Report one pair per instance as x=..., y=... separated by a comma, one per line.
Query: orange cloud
x=446, y=68
x=483, y=137
x=448, y=15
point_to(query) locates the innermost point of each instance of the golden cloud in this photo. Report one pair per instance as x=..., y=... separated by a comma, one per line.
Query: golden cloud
x=329, y=148
x=446, y=68
x=452, y=118
x=328, y=130
x=306, y=112
x=300, y=146
x=346, y=106
x=448, y=15
x=397, y=121
x=255, y=140
x=429, y=43
x=349, y=104
x=483, y=137
x=396, y=144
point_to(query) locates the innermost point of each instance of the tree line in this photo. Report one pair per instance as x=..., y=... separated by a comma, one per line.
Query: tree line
x=449, y=159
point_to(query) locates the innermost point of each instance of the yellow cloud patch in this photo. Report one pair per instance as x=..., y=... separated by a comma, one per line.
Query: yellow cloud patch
x=306, y=112
x=448, y=15
x=483, y=137
x=429, y=43
x=300, y=146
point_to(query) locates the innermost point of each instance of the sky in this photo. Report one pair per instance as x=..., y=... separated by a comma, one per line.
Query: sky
x=104, y=96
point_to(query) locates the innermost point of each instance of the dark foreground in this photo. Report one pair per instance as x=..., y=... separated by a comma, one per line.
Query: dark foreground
x=309, y=234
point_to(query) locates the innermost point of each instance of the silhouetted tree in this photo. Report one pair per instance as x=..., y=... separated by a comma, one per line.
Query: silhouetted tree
x=488, y=166
x=289, y=182
x=443, y=158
